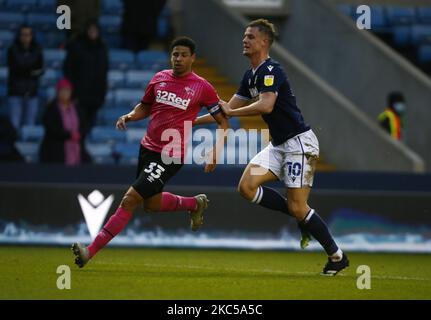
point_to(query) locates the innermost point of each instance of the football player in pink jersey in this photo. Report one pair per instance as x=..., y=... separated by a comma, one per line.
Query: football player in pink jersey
x=172, y=98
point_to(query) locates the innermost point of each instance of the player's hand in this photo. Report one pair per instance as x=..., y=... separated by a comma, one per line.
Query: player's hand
x=121, y=122
x=211, y=162
x=225, y=108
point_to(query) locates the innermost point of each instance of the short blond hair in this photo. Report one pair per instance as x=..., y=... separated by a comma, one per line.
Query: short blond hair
x=265, y=27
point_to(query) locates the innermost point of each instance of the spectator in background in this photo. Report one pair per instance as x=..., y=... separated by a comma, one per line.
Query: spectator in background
x=25, y=63
x=82, y=11
x=8, y=136
x=64, y=129
x=392, y=119
x=140, y=23
x=86, y=65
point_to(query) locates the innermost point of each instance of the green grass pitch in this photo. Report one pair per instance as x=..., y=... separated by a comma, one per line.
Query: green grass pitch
x=118, y=273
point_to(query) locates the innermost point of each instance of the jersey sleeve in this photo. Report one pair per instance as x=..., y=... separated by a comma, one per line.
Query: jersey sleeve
x=149, y=96
x=270, y=79
x=210, y=99
x=243, y=91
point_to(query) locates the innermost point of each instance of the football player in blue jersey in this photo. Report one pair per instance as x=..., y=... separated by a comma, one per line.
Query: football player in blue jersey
x=292, y=154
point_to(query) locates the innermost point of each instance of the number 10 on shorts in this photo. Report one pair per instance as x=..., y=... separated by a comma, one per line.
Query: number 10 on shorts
x=294, y=169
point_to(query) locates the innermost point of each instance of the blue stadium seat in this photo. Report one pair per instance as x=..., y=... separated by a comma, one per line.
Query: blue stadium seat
x=128, y=152
x=379, y=22
x=421, y=33
x=135, y=135
x=6, y=38
x=121, y=59
x=3, y=74
x=424, y=15
x=346, y=9
x=49, y=78
x=3, y=56
x=54, y=38
x=3, y=91
x=127, y=98
x=400, y=15
x=115, y=79
x=54, y=58
x=109, y=116
x=402, y=35
x=101, y=153
x=20, y=5
x=29, y=150
x=112, y=6
x=138, y=79
x=152, y=59
x=32, y=133
x=42, y=21
x=107, y=135
x=46, y=6
x=110, y=24
x=11, y=20
x=424, y=53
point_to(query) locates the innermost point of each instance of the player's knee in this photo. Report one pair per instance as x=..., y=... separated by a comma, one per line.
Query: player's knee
x=247, y=190
x=129, y=202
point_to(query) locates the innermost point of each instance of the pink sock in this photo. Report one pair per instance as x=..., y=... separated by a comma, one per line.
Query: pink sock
x=115, y=224
x=172, y=202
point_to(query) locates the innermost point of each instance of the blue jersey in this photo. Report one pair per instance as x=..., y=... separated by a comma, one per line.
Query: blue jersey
x=285, y=121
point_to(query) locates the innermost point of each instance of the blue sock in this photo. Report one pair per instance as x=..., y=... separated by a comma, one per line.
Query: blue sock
x=271, y=199
x=314, y=225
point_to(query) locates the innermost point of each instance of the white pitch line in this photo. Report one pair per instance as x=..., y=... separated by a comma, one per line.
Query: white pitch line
x=281, y=272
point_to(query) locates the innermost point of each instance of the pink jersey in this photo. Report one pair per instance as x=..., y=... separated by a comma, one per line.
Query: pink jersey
x=175, y=100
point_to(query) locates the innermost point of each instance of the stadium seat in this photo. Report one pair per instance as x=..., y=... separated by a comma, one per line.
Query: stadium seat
x=49, y=78
x=421, y=33
x=424, y=15
x=112, y=7
x=110, y=23
x=127, y=152
x=11, y=20
x=29, y=150
x=3, y=91
x=107, y=135
x=3, y=56
x=20, y=5
x=109, y=116
x=54, y=39
x=115, y=79
x=42, y=21
x=32, y=133
x=46, y=6
x=134, y=135
x=424, y=53
x=379, y=22
x=54, y=58
x=400, y=15
x=3, y=74
x=112, y=40
x=153, y=59
x=138, y=79
x=402, y=35
x=121, y=59
x=127, y=98
x=101, y=153
x=6, y=38
x=346, y=9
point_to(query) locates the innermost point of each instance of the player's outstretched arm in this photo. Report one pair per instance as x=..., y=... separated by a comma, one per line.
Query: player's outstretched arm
x=139, y=112
x=264, y=105
x=234, y=103
x=213, y=155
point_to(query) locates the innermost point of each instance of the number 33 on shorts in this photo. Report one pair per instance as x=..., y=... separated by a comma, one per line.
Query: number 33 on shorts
x=154, y=170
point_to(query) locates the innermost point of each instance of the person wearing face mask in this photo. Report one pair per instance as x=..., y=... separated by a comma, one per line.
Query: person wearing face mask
x=86, y=66
x=392, y=119
x=64, y=129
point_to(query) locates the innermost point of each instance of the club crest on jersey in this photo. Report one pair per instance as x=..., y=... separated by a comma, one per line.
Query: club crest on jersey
x=268, y=80
x=172, y=99
x=189, y=91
